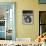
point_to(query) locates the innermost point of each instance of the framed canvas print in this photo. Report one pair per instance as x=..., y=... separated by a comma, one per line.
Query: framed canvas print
x=7, y=20
x=27, y=17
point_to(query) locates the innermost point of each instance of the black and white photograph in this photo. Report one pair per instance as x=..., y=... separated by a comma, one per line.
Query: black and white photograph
x=27, y=17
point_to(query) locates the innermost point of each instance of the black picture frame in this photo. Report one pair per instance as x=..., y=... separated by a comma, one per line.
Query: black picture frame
x=41, y=24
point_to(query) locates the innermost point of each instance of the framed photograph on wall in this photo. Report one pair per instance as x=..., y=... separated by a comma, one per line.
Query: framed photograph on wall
x=42, y=1
x=27, y=17
x=7, y=20
x=42, y=22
